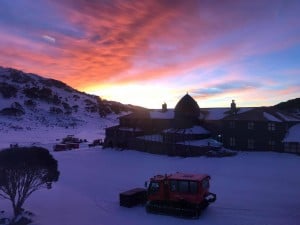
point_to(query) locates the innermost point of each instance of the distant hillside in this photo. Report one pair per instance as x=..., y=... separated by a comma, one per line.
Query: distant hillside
x=28, y=100
x=291, y=106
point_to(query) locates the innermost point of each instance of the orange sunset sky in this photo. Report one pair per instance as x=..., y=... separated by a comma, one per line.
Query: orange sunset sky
x=154, y=51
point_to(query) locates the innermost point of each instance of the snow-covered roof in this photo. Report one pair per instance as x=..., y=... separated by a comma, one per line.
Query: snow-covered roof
x=203, y=142
x=265, y=114
x=154, y=137
x=159, y=114
x=293, y=134
x=270, y=117
x=219, y=113
x=287, y=117
x=192, y=130
x=214, y=113
x=129, y=129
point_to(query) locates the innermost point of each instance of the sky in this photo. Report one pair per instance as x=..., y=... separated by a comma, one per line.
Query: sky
x=150, y=52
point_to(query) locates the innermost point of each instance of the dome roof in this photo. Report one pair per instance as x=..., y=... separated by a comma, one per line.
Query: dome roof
x=187, y=107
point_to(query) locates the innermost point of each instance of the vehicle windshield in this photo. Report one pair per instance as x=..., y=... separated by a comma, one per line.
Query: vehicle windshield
x=153, y=187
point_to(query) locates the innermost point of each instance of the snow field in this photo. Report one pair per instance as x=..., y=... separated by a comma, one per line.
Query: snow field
x=253, y=188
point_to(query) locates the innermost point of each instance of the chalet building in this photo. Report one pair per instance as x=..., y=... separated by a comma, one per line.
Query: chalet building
x=259, y=129
x=177, y=132
x=188, y=130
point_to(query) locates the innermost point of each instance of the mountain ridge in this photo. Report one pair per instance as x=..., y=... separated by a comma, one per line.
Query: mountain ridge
x=28, y=100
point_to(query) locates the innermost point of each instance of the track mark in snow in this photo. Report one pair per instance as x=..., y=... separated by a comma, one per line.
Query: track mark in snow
x=106, y=206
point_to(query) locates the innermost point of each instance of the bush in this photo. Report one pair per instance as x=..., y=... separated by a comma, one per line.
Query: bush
x=24, y=170
x=8, y=90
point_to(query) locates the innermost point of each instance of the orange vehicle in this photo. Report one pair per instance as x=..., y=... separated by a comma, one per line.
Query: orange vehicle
x=179, y=194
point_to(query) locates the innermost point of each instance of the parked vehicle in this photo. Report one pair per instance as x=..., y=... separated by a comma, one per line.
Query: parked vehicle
x=179, y=194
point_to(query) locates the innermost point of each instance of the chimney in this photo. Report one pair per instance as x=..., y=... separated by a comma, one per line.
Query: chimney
x=233, y=107
x=164, y=107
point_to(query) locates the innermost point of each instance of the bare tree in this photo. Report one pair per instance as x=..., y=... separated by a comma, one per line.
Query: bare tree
x=23, y=171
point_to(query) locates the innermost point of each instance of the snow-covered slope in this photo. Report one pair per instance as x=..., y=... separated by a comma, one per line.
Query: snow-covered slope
x=28, y=101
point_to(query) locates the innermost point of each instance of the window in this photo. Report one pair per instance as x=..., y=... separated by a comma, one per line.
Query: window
x=271, y=126
x=205, y=184
x=231, y=124
x=272, y=144
x=153, y=187
x=193, y=187
x=250, y=144
x=292, y=147
x=250, y=125
x=232, y=141
x=173, y=185
x=184, y=186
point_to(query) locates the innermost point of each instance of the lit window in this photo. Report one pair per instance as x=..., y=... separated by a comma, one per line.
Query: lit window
x=271, y=126
x=250, y=144
x=250, y=125
x=232, y=141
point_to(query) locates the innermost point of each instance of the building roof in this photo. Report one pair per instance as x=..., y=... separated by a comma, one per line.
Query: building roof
x=243, y=113
x=159, y=114
x=203, y=142
x=192, y=130
x=219, y=113
x=293, y=134
x=187, y=107
x=263, y=114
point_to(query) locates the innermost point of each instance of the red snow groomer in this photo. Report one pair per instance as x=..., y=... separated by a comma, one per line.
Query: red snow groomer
x=179, y=194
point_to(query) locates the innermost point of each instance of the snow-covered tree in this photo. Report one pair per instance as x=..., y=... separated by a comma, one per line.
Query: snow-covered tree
x=24, y=170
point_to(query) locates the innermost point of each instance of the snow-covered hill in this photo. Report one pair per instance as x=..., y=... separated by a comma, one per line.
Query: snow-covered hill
x=28, y=102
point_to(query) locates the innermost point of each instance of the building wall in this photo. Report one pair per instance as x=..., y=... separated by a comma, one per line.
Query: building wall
x=251, y=135
x=171, y=149
x=292, y=147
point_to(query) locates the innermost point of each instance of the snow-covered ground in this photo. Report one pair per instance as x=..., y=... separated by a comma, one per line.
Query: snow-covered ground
x=257, y=188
